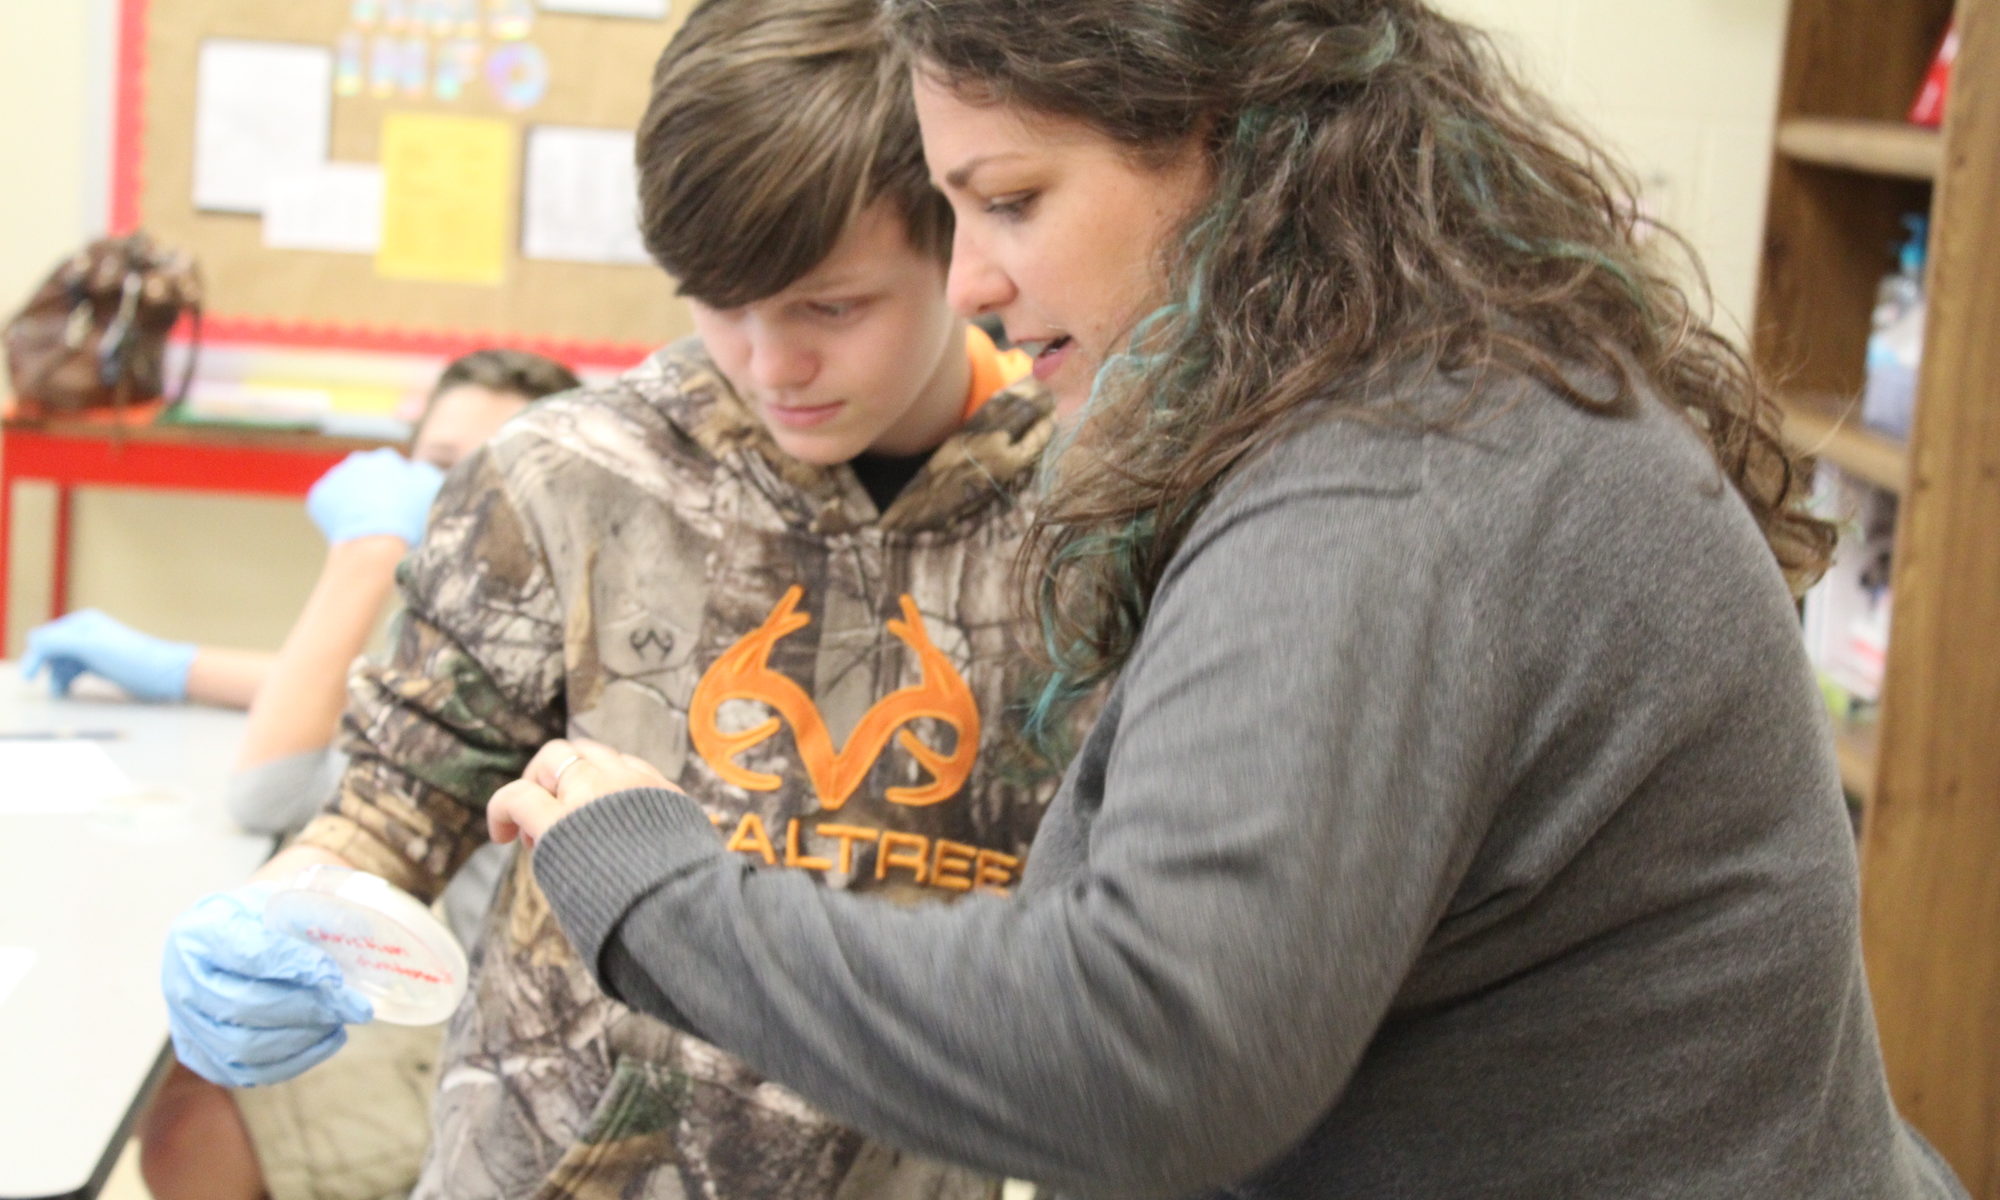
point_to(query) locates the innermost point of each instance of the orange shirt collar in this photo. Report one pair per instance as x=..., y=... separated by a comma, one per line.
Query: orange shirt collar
x=992, y=368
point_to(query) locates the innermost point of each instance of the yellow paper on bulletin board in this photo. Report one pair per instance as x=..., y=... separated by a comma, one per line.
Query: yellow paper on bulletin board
x=446, y=181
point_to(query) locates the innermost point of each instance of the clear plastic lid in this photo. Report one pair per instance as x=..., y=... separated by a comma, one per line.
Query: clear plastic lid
x=389, y=946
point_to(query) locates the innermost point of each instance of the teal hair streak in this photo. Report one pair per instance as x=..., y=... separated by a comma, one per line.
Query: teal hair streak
x=1199, y=243
x=1381, y=54
x=1468, y=170
x=1074, y=671
x=1074, y=674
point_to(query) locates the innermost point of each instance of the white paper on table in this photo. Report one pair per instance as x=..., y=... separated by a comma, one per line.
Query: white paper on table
x=332, y=206
x=62, y=775
x=582, y=197
x=15, y=962
x=263, y=110
x=608, y=8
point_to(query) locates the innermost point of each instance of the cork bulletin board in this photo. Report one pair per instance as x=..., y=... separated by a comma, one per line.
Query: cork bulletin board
x=457, y=114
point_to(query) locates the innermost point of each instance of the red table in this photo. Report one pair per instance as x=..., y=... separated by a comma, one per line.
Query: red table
x=182, y=458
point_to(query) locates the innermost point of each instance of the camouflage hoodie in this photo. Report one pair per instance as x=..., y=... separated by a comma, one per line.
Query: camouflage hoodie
x=638, y=564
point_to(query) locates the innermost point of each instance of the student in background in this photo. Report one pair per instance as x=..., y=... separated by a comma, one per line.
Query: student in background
x=356, y=1125
x=770, y=560
x=1462, y=820
x=371, y=494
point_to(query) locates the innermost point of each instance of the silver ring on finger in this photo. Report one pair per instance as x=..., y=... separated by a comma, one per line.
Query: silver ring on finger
x=569, y=762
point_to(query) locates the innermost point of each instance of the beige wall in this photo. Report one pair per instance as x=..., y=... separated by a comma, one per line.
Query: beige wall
x=1683, y=89
x=210, y=569
x=45, y=100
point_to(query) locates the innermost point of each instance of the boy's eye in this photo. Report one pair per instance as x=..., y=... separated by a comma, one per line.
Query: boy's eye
x=1010, y=208
x=834, y=310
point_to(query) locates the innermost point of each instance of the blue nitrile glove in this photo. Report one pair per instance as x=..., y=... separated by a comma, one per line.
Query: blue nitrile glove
x=247, y=1005
x=149, y=668
x=374, y=492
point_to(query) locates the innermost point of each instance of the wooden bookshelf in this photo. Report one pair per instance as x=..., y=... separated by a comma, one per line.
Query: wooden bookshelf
x=1845, y=172
x=1870, y=147
x=1830, y=429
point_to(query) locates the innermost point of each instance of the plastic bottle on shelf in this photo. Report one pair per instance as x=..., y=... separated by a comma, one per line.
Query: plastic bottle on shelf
x=1896, y=344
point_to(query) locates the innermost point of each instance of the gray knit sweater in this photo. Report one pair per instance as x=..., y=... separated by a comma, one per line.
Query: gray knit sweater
x=1465, y=825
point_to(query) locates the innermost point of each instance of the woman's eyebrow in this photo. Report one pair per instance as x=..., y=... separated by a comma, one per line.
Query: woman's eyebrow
x=959, y=176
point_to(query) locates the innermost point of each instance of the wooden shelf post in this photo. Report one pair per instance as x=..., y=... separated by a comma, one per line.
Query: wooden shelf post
x=1930, y=897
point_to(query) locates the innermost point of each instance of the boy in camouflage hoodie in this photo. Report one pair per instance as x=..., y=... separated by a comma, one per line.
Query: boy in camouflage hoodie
x=770, y=560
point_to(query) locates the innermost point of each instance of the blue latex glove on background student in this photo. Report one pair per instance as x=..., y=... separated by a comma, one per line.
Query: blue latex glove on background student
x=373, y=492
x=148, y=667
x=246, y=1005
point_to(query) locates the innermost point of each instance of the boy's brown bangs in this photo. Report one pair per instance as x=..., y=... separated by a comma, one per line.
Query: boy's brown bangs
x=772, y=125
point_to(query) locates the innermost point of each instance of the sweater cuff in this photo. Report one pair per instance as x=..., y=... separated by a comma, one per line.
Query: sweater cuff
x=600, y=860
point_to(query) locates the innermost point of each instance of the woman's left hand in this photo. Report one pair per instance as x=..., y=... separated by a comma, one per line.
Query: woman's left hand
x=566, y=774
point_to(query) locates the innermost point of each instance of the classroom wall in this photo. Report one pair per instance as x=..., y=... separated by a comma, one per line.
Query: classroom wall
x=1685, y=90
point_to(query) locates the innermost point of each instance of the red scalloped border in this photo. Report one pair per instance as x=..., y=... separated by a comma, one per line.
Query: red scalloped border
x=127, y=185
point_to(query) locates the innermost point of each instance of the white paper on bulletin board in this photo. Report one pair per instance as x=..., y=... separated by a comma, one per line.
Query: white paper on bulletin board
x=263, y=110
x=608, y=8
x=581, y=201
x=334, y=206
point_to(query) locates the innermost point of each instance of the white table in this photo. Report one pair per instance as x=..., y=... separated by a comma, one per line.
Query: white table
x=90, y=894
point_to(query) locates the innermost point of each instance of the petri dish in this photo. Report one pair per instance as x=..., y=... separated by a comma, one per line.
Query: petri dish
x=389, y=946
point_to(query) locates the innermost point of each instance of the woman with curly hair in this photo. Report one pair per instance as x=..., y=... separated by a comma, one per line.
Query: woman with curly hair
x=1462, y=819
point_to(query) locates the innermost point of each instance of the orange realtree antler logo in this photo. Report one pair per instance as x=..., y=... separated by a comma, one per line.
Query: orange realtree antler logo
x=743, y=672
